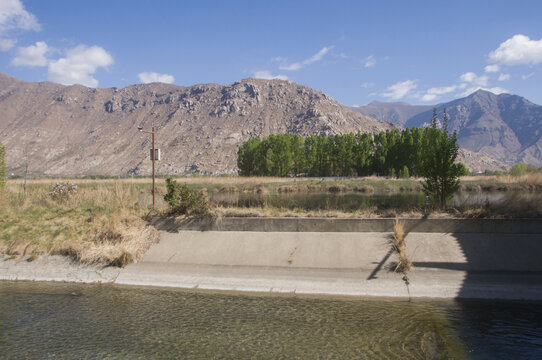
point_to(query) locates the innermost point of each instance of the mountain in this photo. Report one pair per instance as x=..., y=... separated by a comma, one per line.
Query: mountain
x=505, y=127
x=76, y=130
x=393, y=112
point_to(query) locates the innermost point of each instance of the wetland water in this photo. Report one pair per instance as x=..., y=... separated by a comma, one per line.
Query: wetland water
x=350, y=201
x=68, y=321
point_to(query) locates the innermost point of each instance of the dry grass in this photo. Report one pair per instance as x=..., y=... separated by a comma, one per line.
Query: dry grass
x=364, y=189
x=102, y=223
x=399, y=245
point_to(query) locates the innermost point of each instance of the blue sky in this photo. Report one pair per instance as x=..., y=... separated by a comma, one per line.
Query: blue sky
x=421, y=52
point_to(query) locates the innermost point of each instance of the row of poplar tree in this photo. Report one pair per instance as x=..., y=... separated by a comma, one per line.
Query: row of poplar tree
x=398, y=153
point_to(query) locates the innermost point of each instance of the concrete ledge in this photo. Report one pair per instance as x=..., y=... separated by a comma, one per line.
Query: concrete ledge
x=502, y=226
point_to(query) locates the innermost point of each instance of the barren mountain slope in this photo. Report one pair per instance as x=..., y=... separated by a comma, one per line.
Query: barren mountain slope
x=505, y=127
x=75, y=130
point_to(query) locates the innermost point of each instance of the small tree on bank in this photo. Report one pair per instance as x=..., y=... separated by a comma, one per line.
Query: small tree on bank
x=519, y=169
x=2, y=166
x=439, y=153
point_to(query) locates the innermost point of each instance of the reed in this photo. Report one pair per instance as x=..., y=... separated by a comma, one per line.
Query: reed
x=403, y=264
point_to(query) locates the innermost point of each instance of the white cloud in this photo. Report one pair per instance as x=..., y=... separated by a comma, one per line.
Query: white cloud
x=474, y=79
x=14, y=16
x=6, y=44
x=367, y=85
x=316, y=57
x=525, y=77
x=79, y=65
x=400, y=90
x=33, y=55
x=150, y=77
x=266, y=74
x=370, y=61
x=492, y=68
x=518, y=50
x=504, y=77
x=279, y=59
x=433, y=93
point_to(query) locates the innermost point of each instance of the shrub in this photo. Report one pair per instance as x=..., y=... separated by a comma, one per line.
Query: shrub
x=184, y=200
x=519, y=169
x=463, y=169
x=404, y=173
x=62, y=191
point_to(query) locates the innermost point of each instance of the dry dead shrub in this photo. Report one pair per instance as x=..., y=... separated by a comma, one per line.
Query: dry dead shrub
x=16, y=247
x=32, y=257
x=337, y=188
x=287, y=189
x=367, y=189
x=120, y=241
x=228, y=189
x=399, y=244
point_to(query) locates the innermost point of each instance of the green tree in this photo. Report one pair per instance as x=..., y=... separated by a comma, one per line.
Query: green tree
x=439, y=169
x=517, y=170
x=248, y=159
x=463, y=169
x=2, y=166
x=363, y=153
x=405, y=174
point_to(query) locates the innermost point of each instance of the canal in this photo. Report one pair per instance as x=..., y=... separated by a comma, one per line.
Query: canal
x=68, y=321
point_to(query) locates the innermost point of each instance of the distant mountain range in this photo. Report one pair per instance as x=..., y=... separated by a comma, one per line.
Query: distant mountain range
x=76, y=130
x=505, y=127
x=394, y=112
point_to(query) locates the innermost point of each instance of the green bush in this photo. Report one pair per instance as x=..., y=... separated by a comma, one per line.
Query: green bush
x=463, y=169
x=519, y=169
x=184, y=200
x=404, y=174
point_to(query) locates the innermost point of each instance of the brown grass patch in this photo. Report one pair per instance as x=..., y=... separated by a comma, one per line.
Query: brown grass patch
x=336, y=188
x=367, y=189
x=399, y=245
x=99, y=224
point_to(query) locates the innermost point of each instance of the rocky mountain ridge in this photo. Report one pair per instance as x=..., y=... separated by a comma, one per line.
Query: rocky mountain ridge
x=505, y=127
x=75, y=130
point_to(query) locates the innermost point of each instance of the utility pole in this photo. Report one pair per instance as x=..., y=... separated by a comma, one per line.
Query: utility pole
x=153, y=157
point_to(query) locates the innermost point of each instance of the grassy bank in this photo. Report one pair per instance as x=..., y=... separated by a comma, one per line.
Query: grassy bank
x=107, y=221
x=98, y=223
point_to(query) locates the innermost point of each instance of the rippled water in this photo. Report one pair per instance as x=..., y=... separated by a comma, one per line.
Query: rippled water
x=68, y=321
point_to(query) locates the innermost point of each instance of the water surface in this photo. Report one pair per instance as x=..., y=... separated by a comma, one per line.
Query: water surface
x=505, y=202
x=67, y=321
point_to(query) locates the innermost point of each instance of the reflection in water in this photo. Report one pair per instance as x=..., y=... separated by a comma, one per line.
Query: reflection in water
x=46, y=320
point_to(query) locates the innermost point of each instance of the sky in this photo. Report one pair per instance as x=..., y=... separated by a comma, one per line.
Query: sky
x=419, y=52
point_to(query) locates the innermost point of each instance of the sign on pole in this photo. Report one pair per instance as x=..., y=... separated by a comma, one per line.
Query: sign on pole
x=156, y=153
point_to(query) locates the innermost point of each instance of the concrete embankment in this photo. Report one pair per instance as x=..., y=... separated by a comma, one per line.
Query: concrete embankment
x=469, y=259
x=461, y=258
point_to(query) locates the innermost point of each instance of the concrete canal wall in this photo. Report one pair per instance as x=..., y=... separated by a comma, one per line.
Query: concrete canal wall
x=452, y=258
x=469, y=259
x=502, y=226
